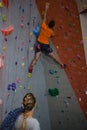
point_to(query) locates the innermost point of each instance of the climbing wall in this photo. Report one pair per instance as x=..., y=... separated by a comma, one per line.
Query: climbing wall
x=68, y=42
x=61, y=111
x=18, y=51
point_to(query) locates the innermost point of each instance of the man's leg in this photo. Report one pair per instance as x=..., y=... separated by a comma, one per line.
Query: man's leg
x=57, y=59
x=37, y=55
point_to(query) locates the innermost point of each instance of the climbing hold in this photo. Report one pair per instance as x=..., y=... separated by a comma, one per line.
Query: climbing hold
x=13, y=86
x=61, y=27
x=36, y=31
x=7, y=31
x=80, y=99
x=51, y=71
x=81, y=42
x=84, y=6
x=18, y=80
x=4, y=48
x=86, y=38
x=29, y=40
x=68, y=97
x=78, y=46
x=22, y=18
x=78, y=56
x=57, y=76
x=6, y=39
x=71, y=61
x=23, y=58
x=21, y=25
x=8, y=94
x=20, y=7
x=16, y=63
x=22, y=64
x=57, y=47
x=29, y=75
x=9, y=87
x=31, y=48
x=67, y=8
x=21, y=49
x=23, y=10
x=55, y=71
x=28, y=87
x=4, y=18
x=86, y=92
x=62, y=111
x=31, y=34
x=6, y=112
x=28, y=23
x=53, y=92
x=15, y=37
x=1, y=5
x=21, y=87
x=70, y=24
x=24, y=87
x=66, y=102
x=6, y=3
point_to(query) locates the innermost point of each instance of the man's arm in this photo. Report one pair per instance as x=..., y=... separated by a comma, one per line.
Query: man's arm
x=45, y=12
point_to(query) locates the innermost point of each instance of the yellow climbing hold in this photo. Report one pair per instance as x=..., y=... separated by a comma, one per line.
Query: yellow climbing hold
x=29, y=75
x=4, y=48
x=28, y=87
x=84, y=6
x=1, y=5
x=21, y=87
x=31, y=48
x=31, y=33
x=86, y=38
x=23, y=64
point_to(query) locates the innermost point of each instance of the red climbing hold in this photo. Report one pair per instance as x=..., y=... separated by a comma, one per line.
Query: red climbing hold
x=6, y=3
x=7, y=31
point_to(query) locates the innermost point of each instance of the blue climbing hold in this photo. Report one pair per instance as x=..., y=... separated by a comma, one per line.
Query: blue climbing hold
x=9, y=87
x=13, y=86
x=51, y=71
x=36, y=31
x=23, y=10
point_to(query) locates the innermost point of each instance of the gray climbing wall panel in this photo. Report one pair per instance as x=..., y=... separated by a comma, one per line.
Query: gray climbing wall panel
x=18, y=52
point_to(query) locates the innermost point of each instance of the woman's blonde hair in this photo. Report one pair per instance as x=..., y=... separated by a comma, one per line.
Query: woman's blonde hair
x=28, y=102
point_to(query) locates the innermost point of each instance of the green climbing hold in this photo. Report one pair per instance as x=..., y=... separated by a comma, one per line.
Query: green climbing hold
x=4, y=18
x=70, y=24
x=53, y=92
x=57, y=76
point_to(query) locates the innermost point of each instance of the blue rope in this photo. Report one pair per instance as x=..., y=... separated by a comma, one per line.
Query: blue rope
x=9, y=121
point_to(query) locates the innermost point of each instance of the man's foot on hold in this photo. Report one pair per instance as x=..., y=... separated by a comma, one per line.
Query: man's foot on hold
x=63, y=66
x=30, y=71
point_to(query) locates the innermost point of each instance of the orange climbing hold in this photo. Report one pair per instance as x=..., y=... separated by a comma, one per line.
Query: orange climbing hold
x=7, y=31
x=6, y=3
